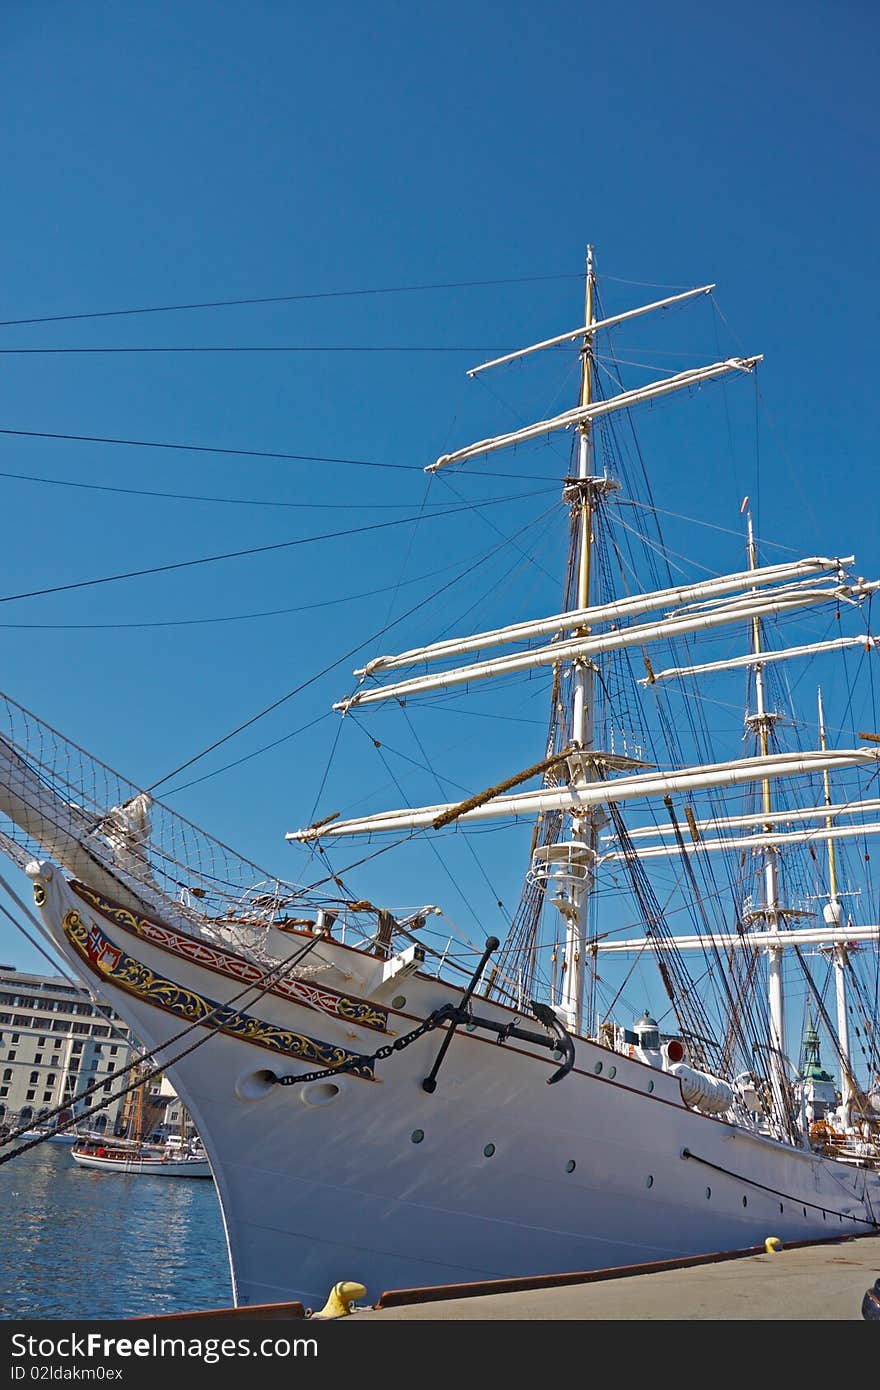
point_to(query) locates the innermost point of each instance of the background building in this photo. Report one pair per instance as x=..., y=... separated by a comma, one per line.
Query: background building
x=175, y=1123
x=55, y=1041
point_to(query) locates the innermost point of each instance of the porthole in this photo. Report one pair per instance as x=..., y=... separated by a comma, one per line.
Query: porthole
x=612, y=1072
x=321, y=1093
x=399, y=1001
x=650, y=1086
x=488, y=1150
x=417, y=1136
x=649, y=1181
x=254, y=1085
x=708, y=1194
x=597, y=1068
x=570, y=1166
x=745, y=1200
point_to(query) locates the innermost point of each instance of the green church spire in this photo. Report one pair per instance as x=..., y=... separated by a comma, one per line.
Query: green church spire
x=813, y=1070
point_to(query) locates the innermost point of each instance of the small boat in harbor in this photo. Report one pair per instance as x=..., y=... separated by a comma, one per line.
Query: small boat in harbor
x=51, y=1136
x=159, y=1163
x=48, y=1135
x=175, y=1157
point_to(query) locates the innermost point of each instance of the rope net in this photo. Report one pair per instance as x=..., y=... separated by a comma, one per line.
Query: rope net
x=58, y=801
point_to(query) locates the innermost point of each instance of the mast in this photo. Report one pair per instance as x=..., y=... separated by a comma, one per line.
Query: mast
x=584, y=827
x=139, y=1114
x=761, y=722
x=833, y=914
x=582, y=712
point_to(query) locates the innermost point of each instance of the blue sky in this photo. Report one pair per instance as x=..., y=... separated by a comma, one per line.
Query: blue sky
x=162, y=153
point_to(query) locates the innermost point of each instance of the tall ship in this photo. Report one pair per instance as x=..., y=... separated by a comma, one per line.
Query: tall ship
x=618, y=1078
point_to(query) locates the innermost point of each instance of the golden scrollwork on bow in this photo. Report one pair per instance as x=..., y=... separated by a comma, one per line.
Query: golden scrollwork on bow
x=211, y=956
x=130, y=975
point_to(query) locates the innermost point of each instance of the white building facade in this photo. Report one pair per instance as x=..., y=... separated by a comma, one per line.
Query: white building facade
x=55, y=1042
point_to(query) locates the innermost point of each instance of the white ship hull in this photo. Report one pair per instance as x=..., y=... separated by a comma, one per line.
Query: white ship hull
x=323, y=1181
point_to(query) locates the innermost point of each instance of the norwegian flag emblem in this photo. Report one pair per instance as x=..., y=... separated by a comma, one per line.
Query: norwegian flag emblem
x=99, y=950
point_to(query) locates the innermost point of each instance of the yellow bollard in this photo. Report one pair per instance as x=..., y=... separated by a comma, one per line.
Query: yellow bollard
x=340, y=1299
x=772, y=1245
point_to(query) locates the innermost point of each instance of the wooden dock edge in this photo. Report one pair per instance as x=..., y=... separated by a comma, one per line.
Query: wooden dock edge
x=256, y=1312
x=400, y=1298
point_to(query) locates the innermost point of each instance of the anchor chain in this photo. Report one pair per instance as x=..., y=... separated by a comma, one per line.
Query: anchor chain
x=432, y=1021
x=455, y=1015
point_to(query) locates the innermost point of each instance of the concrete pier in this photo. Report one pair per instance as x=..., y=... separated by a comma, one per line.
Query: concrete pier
x=819, y=1282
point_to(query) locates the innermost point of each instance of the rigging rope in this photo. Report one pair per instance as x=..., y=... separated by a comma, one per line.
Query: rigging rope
x=798, y=1201
x=291, y=298
x=352, y=651
x=273, y=502
x=262, y=986
x=414, y=468
x=238, y=554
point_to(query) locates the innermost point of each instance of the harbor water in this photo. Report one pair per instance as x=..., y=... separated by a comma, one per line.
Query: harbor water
x=75, y=1243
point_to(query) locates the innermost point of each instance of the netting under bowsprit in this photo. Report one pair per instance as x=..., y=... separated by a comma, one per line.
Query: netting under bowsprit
x=59, y=802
